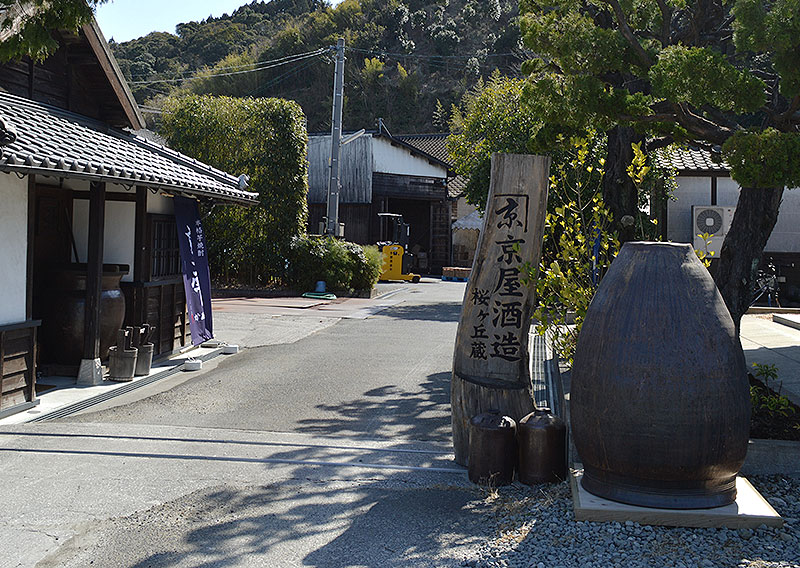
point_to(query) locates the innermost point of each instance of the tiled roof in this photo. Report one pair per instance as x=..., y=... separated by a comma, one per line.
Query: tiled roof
x=472, y=221
x=692, y=160
x=436, y=146
x=57, y=143
x=433, y=144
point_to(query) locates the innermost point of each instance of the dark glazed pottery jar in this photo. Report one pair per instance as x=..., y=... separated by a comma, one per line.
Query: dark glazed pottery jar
x=492, y=449
x=63, y=318
x=542, y=440
x=659, y=399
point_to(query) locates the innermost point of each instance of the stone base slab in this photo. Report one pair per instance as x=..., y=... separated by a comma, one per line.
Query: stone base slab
x=750, y=510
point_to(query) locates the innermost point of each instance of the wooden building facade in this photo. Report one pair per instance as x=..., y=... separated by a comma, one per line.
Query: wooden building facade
x=382, y=174
x=80, y=195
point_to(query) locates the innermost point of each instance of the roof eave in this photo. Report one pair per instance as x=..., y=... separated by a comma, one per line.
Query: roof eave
x=703, y=173
x=248, y=200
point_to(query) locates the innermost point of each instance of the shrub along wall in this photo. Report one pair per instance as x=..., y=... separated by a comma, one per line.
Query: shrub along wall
x=344, y=266
x=265, y=139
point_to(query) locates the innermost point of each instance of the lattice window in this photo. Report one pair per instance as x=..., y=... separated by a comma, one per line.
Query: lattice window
x=166, y=254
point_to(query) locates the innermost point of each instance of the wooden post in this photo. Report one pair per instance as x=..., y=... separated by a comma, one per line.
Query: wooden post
x=491, y=363
x=31, y=245
x=140, y=270
x=90, y=370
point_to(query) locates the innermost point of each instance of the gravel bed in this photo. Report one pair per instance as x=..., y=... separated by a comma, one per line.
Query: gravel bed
x=536, y=528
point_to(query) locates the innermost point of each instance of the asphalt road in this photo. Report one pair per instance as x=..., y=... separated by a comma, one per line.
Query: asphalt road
x=330, y=449
x=386, y=377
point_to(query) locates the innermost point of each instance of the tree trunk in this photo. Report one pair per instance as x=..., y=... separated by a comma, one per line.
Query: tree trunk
x=755, y=217
x=619, y=192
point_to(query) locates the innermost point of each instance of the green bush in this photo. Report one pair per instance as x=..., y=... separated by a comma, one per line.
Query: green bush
x=265, y=139
x=369, y=269
x=342, y=265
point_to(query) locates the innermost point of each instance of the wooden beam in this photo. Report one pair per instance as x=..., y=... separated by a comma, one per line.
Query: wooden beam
x=2, y=361
x=141, y=265
x=110, y=196
x=31, y=246
x=33, y=363
x=94, y=271
x=714, y=190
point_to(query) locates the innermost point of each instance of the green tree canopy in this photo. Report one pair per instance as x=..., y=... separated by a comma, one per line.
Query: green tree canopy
x=29, y=24
x=265, y=139
x=725, y=73
x=491, y=117
x=430, y=51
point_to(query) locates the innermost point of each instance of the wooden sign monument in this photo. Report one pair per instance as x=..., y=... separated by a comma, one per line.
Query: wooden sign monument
x=491, y=368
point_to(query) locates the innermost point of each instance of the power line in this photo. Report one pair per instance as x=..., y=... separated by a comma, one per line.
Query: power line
x=281, y=78
x=264, y=65
x=432, y=57
x=188, y=73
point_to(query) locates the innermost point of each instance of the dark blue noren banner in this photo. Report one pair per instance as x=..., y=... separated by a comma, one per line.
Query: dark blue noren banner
x=196, y=278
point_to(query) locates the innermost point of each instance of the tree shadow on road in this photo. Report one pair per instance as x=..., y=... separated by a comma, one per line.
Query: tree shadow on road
x=442, y=312
x=369, y=526
x=390, y=412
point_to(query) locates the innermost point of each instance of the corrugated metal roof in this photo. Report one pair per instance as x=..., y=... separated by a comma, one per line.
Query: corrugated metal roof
x=690, y=160
x=58, y=143
x=436, y=146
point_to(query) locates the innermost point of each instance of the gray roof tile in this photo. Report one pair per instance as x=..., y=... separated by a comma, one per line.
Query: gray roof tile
x=690, y=160
x=436, y=146
x=55, y=142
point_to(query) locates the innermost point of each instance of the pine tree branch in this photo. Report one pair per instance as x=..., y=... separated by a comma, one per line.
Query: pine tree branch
x=666, y=22
x=626, y=32
x=650, y=118
x=658, y=143
x=789, y=114
x=701, y=127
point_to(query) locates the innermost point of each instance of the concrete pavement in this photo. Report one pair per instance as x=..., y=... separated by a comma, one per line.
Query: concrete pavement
x=122, y=495
x=325, y=443
x=769, y=342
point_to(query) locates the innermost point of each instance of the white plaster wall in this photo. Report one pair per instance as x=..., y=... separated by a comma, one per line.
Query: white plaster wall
x=120, y=228
x=13, y=248
x=690, y=191
x=697, y=191
x=786, y=234
x=463, y=209
x=727, y=192
x=160, y=204
x=389, y=159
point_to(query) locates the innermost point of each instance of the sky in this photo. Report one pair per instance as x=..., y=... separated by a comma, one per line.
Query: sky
x=129, y=19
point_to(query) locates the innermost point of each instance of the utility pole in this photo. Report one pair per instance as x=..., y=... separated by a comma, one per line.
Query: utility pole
x=332, y=226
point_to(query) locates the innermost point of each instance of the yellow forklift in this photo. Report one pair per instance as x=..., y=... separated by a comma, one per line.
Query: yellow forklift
x=396, y=261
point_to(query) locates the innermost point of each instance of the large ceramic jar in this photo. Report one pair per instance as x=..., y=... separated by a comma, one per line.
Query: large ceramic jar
x=659, y=398
x=62, y=328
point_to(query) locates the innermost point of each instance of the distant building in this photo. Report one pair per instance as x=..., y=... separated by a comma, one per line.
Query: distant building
x=466, y=223
x=381, y=173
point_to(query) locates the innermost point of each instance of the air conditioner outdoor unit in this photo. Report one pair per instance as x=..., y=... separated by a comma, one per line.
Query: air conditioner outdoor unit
x=714, y=221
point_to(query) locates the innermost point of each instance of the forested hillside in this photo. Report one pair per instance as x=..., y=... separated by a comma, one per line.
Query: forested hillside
x=407, y=60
